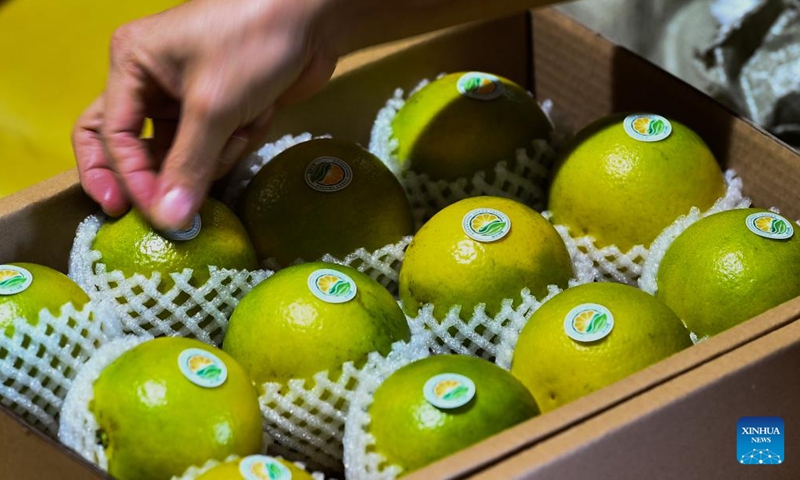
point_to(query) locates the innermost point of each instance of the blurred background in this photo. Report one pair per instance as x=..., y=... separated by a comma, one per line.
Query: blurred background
x=53, y=64
x=746, y=53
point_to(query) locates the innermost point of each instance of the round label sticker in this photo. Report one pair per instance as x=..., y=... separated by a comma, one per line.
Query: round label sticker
x=647, y=127
x=770, y=225
x=328, y=174
x=14, y=280
x=480, y=86
x=332, y=286
x=588, y=322
x=486, y=224
x=262, y=467
x=202, y=368
x=448, y=390
x=187, y=233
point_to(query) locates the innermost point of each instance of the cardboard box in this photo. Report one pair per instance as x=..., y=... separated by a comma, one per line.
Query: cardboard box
x=582, y=73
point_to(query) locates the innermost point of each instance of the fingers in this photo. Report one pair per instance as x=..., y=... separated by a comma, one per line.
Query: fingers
x=313, y=77
x=244, y=141
x=192, y=161
x=96, y=174
x=125, y=111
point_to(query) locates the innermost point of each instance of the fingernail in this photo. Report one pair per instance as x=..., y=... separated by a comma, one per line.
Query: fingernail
x=175, y=208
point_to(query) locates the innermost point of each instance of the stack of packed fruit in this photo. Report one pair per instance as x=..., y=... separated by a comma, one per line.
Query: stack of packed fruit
x=369, y=313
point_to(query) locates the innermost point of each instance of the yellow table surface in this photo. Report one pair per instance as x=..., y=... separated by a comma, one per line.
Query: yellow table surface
x=53, y=63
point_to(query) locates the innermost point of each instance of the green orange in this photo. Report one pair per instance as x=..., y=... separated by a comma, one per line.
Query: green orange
x=718, y=273
x=623, y=191
x=282, y=330
x=132, y=245
x=155, y=422
x=558, y=368
x=49, y=290
x=445, y=266
x=259, y=471
x=447, y=135
x=324, y=196
x=412, y=432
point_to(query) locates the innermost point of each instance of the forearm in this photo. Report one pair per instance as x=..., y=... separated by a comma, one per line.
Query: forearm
x=357, y=24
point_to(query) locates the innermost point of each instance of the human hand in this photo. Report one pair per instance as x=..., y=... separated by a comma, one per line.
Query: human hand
x=209, y=74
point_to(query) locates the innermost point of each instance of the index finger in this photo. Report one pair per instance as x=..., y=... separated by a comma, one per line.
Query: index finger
x=125, y=112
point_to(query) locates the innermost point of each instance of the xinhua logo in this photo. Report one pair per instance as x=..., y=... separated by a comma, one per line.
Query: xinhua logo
x=759, y=441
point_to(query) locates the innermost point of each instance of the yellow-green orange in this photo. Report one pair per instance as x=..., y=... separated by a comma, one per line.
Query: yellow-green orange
x=282, y=330
x=155, y=423
x=290, y=213
x=444, y=266
x=49, y=289
x=718, y=273
x=131, y=245
x=230, y=471
x=411, y=432
x=623, y=191
x=558, y=369
x=448, y=135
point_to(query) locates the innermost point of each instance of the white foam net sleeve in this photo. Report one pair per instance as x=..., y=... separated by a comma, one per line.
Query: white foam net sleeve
x=613, y=265
x=383, y=264
x=307, y=422
x=482, y=335
x=523, y=178
x=193, y=472
x=78, y=427
x=361, y=461
x=183, y=310
x=40, y=362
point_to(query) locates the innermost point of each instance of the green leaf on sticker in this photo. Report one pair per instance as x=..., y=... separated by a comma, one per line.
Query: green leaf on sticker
x=210, y=372
x=778, y=226
x=656, y=127
x=274, y=471
x=456, y=393
x=492, y=228
x=341, y=288
x=12, y=282
x=598, y=323
x=473, y=84
x=320, y=172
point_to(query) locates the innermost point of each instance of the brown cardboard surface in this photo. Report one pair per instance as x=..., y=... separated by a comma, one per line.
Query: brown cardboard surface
x=683, y=429
x=26, y=454
x=584, y=75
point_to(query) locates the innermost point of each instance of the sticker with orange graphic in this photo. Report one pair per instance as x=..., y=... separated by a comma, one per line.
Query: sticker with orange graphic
x=328, y=174
x=647, y=127
x=486, y=224
x=332, y=286
x=480, y=86
x=263, y=467
x=449, y=390
x=14, y=280
x=202, y=367
x=588, y=322
x=770, y=225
